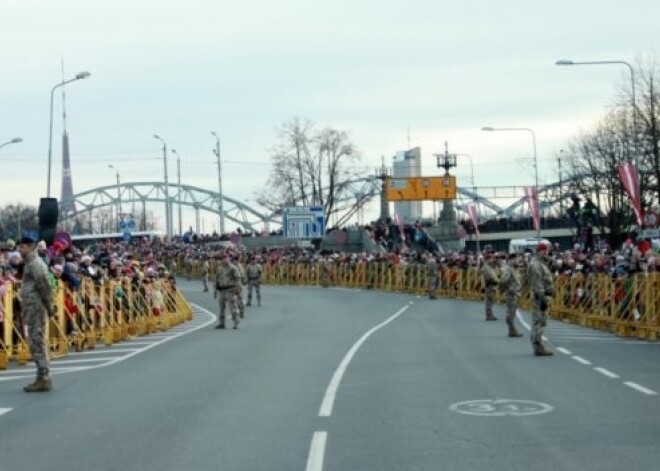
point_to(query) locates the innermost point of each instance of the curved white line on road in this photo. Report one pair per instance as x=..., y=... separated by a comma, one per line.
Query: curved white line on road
x=316, y=452
x=331, y=392
x=115, y=360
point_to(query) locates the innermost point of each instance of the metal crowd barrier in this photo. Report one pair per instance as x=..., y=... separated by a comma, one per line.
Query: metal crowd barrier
x=97, y=313
x=628, y=305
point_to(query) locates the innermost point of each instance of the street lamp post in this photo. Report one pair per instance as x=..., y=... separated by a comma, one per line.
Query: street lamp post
x=536, y=165
x=168, y=233
x=474, y=189
x=119, y=210
x=15, y=140
x=216, y=151
x=178, y=176
x=635, y=153
x=79, y=76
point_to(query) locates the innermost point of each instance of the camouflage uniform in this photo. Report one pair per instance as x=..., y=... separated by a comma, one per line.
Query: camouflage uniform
x=254, y=282
x=326, y=270
x=227, y=279
x=431, y=277
x=205, y=275
x=510, y=285
x=36, y=298
x=542, y=286
x=490, y=282
x=238, y=292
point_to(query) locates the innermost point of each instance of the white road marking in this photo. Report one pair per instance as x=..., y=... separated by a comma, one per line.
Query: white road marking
x=67, y=361
x=316, y=452
x=581, y=360
x=640, y=388
x=522, y=321
x=4, y=410
x=329, y=399
x=564, y=351
x=607, y=373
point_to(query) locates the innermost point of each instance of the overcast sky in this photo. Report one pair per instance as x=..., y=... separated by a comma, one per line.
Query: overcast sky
x=373, y=68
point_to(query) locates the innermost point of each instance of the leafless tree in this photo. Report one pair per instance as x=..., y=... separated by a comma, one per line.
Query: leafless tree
x=17, y=218
x=313, y=168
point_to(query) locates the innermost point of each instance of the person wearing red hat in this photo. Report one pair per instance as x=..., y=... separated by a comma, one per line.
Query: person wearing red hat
x=491, y=281
x=542, y=286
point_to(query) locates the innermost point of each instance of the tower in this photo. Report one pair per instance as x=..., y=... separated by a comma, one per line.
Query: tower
x=408, y=164
x=67, y=202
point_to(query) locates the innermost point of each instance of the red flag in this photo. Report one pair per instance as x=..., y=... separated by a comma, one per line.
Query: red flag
x=533, y=200
x=472, y=212
x=628, y=175
x=399, y=223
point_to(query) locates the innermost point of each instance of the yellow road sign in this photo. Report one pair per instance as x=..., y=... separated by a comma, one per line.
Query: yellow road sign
x=421, y=188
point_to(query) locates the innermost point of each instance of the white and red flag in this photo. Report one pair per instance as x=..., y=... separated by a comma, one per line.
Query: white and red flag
x=474, y=217
x=533, y=200
x=630, y=180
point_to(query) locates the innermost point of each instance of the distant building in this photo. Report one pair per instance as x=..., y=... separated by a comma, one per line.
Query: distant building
x=408, y=164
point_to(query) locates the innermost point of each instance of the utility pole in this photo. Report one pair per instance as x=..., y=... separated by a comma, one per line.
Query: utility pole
x=221, y=210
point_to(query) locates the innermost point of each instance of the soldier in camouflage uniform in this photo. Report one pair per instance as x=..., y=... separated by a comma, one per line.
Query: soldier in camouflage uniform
x=238, y=292
x=226, y=280
x=326, y=270
x=510, y=285
x=36, y=297
x=490, y=282
x=254, y=271
x=542, y=286
x=205, y=275
x=431, y=276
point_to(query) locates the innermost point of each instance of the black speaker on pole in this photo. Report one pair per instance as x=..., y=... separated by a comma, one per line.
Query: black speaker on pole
x=48, y=214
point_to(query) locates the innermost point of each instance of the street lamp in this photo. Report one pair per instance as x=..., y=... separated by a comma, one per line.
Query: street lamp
x=168, y=233
x=536, y=164
x=79, y=76
x=178, y=175
x=119, y=210
x=635, y=159
x=15, y=140
x=216, y=151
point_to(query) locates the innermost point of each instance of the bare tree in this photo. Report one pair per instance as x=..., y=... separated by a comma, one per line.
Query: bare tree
x=17, y=218
x=313, y=168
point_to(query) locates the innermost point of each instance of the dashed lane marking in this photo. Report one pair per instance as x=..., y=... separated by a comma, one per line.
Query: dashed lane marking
x=606, y=372
x=4, y=410
x=640, y=388
x=581, y=360
x=316, y=451
x=564, y=351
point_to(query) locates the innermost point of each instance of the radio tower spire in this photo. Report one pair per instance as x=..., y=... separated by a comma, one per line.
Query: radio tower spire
x=67, y=203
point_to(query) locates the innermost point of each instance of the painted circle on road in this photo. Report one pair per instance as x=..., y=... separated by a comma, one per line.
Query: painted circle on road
x=501, y=407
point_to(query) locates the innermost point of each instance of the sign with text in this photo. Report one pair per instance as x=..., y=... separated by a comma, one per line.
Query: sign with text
x=421, y=188
x=303, y=222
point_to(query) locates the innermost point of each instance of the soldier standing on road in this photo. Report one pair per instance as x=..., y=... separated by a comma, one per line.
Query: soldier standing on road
x=542, y=287
x=239, y=289
x=226, y=280
x=205, y=275
x=431, y=276
x=254, y=271
x=36, y=298
x=510, y=285
x=326, y=271
x=490, y=282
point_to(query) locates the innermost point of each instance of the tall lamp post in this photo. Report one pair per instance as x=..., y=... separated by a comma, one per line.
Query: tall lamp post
x=216, y=151
x=178, y=179
x=119, y=210
x=15, y=140
x=79, y=76
x=168, y=215
x=635, y=158
x=536, y=164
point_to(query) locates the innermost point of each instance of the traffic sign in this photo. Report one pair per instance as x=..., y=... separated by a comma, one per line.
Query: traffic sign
x=651, y=219
x=421, y=188
x=303, y=222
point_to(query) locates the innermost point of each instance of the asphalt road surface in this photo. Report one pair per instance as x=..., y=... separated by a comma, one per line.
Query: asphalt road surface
x=340, y=379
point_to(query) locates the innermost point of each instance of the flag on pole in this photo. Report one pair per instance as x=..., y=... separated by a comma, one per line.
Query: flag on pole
x=628, y=175
x=533, y=201
x=399, y=223
x=474, y=217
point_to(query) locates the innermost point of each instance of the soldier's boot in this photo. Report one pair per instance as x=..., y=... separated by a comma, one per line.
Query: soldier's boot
x=249, y=302
x=540, y=350
x=490, y=317
x=221, y=325
x=513, y=332
x=41, y=384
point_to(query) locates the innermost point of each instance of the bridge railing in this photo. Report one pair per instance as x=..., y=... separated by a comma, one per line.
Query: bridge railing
x=104, y=312
x=627, y=305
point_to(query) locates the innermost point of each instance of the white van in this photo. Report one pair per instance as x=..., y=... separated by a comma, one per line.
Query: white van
x=525, y=245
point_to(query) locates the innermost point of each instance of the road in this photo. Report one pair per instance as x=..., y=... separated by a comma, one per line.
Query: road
x=339, y=379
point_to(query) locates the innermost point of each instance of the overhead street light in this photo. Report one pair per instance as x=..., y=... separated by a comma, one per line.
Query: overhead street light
x=178, y=176
x=15, y=140
x=536, y=164
x=168, y=215
x=635, y=158
x=78, y=76
x=119, y=210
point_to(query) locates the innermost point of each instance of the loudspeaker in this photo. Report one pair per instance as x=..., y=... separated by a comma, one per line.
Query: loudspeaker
x=48, y=214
